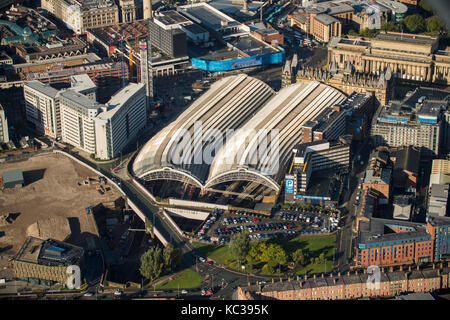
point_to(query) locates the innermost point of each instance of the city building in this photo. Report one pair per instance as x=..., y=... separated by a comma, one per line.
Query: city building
x=240, y=48
x=42, y=108
x=439, y=228
x=81, y=15
x=120, y=121
x=46, y=261
x=345, y=79
x=83, y=84
x=127, y=10
x=328, y=19
x=384, y=242
x=402, y=207
x=12, y=179
x=77, y=113
x=4, y=130
x=351, y=285
x=107, y=77
x=266, y=33
x=102, y=130
x=408, y=56
x=406, y=168
x=315, y=158
x=416, y=120
x=378, y=176
x=440, y=172
x=438, y=200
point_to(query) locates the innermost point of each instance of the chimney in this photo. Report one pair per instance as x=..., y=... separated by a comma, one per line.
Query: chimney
x=306, y=276
x=249, y=284
x=365, y=271
x=441, y=266
x=391, y=269
x=323, y=276
x=382, y=270
x=314, y=277
x=331, y=275
x=334, y=280
x=300, y=284
x=281, y=280
x=409, y=268
x=348, y=273
x=434, y=266
x=356, y=272
x=418, y=268
x=298, y=278
x=339, y=274
x=401, y=268
x=273, y=280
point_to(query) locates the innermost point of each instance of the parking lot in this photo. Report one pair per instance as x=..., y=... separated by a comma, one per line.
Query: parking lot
x=220, y=226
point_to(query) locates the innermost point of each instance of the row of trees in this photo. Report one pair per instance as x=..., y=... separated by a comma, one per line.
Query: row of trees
x=270, y=255
x=414, y=24
x=156, y=262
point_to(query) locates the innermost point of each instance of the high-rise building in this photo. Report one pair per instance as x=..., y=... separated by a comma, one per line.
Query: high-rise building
x=4, y=131
x=120, y=121
x=416, y=121
x=42, y=108
x=128, y=10
x=99, y=129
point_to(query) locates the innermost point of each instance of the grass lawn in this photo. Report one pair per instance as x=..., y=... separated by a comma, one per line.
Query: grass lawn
x=188, y=279
x=315, y=245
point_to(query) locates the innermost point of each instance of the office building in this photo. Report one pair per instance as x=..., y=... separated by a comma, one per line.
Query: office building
x=4, y=130
x=120, y=121
x=80, y=15
x=439, y=228
x=42, y=108
x=77, y=119
x=440, y=172
x=384, y=242
x=102, y=130
x=313, y=157
x=45, y=262
x=416, y=120
x=438, y=200
x=127, y=10
x=406, y=168
x=83, y=84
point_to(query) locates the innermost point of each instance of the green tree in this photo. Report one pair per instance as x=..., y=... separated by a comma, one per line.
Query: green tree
x=152, y=263
x=434, y=24
x=425, y=5
x=298, y=256
x=322, y=257
x=414, y=23
x=240, y=246
x=171, y=258
x=368, y=33
x=352, y=32
x=390, y=26
x=274, y=255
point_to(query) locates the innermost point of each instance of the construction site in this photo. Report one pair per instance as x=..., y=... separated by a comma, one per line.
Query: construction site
x=52, y=203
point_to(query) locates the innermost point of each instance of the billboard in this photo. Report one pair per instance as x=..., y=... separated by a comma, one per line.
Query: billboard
x=246, y=63
x=289, y=186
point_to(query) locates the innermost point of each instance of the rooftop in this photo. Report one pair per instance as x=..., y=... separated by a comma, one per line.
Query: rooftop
x=42, y=88
x=79, y=99
x=82, y=82
x=325, y=19
x=120, y=98
x=49, y=252
x=12, y=176
x=380, y=232
x=406, y=37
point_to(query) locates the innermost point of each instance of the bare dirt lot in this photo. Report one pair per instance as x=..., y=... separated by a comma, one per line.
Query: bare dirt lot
x=51, y=189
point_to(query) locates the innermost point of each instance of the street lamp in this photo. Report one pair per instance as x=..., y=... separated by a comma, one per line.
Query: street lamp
x=243, y=268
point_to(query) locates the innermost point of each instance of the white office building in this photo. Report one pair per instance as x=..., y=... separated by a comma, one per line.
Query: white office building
x=83, y=84
x=42, y=108
x=77, y=119
x=75, y=116
x=120, y=120
x=4, y=132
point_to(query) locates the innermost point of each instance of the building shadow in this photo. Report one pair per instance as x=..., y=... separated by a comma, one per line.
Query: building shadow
x=32, y=176
x=75, y=230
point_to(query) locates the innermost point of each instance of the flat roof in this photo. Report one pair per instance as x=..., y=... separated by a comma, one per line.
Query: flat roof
x=406, y=37
x=171, y=17
x=195, y=28
x=82, y=82
x=325, y=19
x=120, y=98
x=79, y=99
x=42, y=88
x=12, y=176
